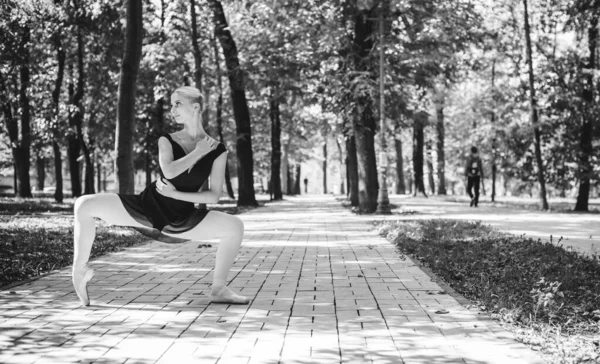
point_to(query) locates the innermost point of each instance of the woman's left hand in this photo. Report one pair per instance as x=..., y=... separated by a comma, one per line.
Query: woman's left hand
x=165, y=188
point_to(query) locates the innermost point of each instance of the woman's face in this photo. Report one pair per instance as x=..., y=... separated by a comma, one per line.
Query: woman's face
x=182, y=109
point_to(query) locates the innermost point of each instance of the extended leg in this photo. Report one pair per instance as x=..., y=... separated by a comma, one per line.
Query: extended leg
x=108, y=207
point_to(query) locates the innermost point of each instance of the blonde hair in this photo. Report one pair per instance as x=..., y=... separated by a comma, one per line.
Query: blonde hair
x=191, y=94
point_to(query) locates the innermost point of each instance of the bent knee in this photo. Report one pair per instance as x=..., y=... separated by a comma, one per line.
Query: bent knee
x=235, y=225
x=84, y=205
x=81, y=204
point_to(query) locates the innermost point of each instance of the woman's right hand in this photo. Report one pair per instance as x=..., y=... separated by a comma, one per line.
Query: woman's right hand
x=205, y=146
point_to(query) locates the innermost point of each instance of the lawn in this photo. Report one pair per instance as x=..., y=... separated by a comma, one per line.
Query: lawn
x=548, y=296
x=36, y=236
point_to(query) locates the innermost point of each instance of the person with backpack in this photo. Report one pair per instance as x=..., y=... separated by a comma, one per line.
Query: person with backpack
x=474, y=175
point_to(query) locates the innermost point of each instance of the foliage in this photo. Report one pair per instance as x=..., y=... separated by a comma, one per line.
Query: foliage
x=540, y=289
x=34, y=245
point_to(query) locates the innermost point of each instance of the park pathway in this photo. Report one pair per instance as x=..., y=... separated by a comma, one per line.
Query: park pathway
x=325, y=289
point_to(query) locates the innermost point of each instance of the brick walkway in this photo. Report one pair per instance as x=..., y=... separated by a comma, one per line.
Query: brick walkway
x=325, y=289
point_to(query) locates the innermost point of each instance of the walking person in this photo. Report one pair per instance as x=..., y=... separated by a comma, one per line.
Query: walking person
x=187, y=158
x=474, y=175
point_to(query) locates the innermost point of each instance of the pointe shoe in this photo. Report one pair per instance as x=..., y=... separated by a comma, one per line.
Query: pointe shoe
x=225, y=295
x=80, y=281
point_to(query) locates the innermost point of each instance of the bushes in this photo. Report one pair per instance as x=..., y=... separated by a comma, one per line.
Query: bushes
x=33, y=245
x=541, y=289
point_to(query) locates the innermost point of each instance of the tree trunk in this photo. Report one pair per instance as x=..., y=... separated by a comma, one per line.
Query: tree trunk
x=88, y=183
x=364, y=123
x=285, y=165
x=400, y=186
x=290, y=179
x=439, y=100
x=219, y=116
x=297, y=179
x=430, y=167
x=196, y=52
x=99, y=176
x=493, y=117
x=587, y=130
x=24, y=147
x=78, y=118
x=534, y=112
x=60, y=55
x=73, y=147
x=342, y=174
x=352, y=168
x=275, y=143
x=325, y=157
x=241, y=113
x=126, y=98
x=418, y=155
x=40, y=167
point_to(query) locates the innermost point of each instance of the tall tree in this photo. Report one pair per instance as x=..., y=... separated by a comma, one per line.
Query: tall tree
x=493, y=120
x=439, y=97
x=54, y=129
x=352, y=169
x=275, y=116
x=364, y=123
x=534, y=111
x=418, y=144
x=126, y=99
x=400, y=185
x=246, y=196
x=325, y=132
x=430, y=168
x=587, y=129
x=219, y=115
x=198, y=61
x=23, y=149
x=75, y=141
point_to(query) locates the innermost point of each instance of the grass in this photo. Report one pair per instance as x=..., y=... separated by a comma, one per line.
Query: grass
x=36, y=236
x=559, y=205
x=34, y=245
x=548, y=296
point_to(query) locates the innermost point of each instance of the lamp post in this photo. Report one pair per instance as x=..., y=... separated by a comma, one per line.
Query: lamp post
x=383, y=200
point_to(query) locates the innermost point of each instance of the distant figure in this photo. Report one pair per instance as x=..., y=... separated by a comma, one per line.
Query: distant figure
x=306, y=185
x=474, y=174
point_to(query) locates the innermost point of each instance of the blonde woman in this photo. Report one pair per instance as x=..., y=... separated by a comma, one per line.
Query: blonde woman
x=187, y=159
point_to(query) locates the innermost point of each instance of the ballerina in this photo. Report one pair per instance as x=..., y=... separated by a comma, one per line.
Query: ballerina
x=187, y=158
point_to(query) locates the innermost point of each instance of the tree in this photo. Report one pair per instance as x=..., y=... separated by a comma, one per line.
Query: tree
x=14, y=95
x=219, y=115
x=534, y=111
x=587, y=129
x=54, y=129
x=241, y=113
x=363, y=122
x=275, y=117
x=418, y=144
x=126, y=98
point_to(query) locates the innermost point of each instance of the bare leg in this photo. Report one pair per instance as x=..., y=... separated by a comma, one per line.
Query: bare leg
x=106, y=206
x=230, y=230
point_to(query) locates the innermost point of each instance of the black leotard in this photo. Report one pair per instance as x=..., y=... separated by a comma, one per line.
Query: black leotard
x=165, y=214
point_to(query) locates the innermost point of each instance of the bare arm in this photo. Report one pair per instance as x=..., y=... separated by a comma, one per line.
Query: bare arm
x=217, y=176
x=172, y=168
